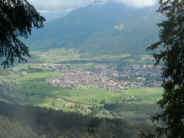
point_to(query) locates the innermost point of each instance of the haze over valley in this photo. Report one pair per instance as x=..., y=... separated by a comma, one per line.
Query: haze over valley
x=89, y=63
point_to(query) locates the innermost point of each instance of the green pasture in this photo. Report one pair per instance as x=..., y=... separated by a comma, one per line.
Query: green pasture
x=147, y=95
x=37, y=90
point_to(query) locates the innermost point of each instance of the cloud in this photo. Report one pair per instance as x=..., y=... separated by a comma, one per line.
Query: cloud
x=68, y=5
x=138, y=3
x=59, y=5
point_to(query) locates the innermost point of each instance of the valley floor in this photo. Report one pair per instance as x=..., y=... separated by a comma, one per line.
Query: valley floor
x=127, y=92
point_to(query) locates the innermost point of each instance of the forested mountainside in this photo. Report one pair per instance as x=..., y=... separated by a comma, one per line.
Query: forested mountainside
x=100, y=29
x=35, y=122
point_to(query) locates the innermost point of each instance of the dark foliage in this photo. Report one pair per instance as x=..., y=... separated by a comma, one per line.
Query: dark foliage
x=56, y=124
x=17, y=18
x=171, y=55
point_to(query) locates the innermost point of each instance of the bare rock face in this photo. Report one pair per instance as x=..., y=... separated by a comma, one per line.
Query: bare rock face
x=119, y=27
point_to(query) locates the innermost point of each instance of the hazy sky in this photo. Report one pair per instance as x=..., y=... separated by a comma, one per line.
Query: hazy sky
x=68, y=5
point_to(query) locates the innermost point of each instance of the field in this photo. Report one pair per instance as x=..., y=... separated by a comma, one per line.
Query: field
x=73, y=56
x=32, y=88
x=27, y=85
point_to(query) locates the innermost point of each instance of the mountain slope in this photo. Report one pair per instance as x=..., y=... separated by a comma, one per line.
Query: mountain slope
x=100, y=29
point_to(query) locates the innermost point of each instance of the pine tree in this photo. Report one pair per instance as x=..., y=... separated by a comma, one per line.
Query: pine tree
x=17, y=19
x=170, y=121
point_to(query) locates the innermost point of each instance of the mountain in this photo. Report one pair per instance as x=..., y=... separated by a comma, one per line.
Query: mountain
x=100, y=29
x=53, y=15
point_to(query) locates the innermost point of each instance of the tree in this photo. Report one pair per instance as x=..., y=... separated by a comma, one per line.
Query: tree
x=17, y=19
x=170, y=121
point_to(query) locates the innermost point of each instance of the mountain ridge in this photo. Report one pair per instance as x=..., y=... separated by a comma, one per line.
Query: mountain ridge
x=100, y=29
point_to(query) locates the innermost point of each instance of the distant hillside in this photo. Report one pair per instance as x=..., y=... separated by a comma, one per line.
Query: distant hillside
x=100, y=29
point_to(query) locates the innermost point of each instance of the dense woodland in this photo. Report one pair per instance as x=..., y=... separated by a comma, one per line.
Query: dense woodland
x=35, y=122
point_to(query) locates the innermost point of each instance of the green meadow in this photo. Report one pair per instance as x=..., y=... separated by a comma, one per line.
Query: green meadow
x=33, y=89
x=27, y=85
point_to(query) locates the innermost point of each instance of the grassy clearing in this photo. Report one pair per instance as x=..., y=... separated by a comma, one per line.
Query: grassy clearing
x=147, y=95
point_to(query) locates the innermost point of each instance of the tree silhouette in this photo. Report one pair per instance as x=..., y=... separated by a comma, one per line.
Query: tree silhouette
x=17, y=19
x=170, y=121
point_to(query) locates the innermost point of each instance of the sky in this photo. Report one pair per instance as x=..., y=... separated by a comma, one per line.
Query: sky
x=69, y=5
